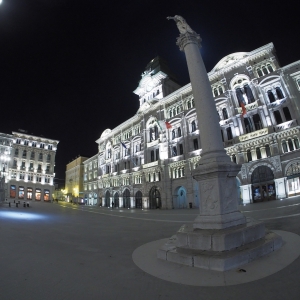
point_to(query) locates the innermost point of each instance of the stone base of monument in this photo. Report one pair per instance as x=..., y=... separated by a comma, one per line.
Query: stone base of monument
x=220, y=249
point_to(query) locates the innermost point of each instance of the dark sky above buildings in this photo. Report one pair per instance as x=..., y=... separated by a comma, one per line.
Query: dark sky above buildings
x=68, y=67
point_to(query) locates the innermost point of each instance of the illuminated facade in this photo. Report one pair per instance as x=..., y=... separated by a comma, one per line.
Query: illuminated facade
x=146, y=162
x=74, y=180
x=29, y=169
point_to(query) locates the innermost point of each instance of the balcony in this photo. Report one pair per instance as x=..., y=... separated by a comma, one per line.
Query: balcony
x=285, y=125
x=253, y=135
x=248, y=107
x=152, y=164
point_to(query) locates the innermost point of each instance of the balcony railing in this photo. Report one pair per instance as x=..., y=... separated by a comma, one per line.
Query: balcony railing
x=285, y=125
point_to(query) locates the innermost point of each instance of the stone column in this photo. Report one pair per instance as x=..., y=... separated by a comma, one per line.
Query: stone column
x=213, y=240
x=215, y=172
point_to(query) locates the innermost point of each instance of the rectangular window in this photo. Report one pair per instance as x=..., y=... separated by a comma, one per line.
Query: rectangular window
x=21, y=192
x=46, y=195
x=12, y=193
x=31, y=166
x=38, y=194
x=29, y=193
x=30, y=177
x=21, y=176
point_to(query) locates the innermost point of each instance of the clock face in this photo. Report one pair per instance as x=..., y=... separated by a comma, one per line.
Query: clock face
x=149, y=87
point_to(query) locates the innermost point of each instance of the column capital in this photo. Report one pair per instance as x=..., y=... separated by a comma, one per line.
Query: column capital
x=188, y=38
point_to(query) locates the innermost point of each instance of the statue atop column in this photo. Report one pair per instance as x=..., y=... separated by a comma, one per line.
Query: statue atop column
x=182, y=25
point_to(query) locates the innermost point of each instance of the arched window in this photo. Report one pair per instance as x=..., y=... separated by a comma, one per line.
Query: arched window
x=220, y=90
x=179, y=132
x=257, y=122
x=296, y=142
x=152, y=155
x=259, y=72
x=215, y=92
x=156, y=132
x=174, y=150
x=264, y=69
x=249, y=93
x=225, y=114
x=249, y=155
x=229, y=133
x=287, y=114
x=248, y=125
x=279, y=93
x=268, y=151
x=170, y=113
x=258, y=153
x=271, y=96
x=270, y=68
x=188, y=105
x=178, y=110
x=291, y=146
x=277, y=116
x=173, y=134
x=284, y=147
x=234, y=158
x=298, y=82
x=193, y=126
x=240, y=96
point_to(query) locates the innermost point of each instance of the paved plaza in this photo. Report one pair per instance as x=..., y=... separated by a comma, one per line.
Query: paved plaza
x=64, y=251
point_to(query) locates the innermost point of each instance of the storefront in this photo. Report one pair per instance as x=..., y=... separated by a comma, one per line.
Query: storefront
x=293, y=181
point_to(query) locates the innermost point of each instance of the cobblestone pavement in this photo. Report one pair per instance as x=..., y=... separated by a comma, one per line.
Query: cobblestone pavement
x=64, y=251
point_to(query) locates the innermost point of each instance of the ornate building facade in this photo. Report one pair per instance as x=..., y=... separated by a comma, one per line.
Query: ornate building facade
x=147, y=161
x=27, y=165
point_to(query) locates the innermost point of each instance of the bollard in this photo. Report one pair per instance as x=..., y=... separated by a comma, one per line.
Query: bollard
x=17, y=204
x=8, y=204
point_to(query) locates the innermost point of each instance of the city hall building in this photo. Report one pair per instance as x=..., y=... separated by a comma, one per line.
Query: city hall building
x=147, y=161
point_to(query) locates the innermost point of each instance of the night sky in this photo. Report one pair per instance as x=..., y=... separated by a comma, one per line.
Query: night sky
x=68, y=67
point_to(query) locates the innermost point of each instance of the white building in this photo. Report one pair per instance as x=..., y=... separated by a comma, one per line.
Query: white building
x=27, y=163
x=143, y=163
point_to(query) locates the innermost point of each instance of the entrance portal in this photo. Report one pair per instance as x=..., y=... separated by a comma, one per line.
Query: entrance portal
x=263, y=185
x=126, y=199
x=107, y=199
x=138, y=199
x=179, y=199
x=116, y=200
x=154, y=198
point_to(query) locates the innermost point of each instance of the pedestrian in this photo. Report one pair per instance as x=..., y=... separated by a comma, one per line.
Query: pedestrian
x=112, y=204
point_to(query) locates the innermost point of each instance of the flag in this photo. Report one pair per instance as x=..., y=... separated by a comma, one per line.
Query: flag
x=164, y=125
x=124, y=145
x=168, y=125
x=244, y=111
